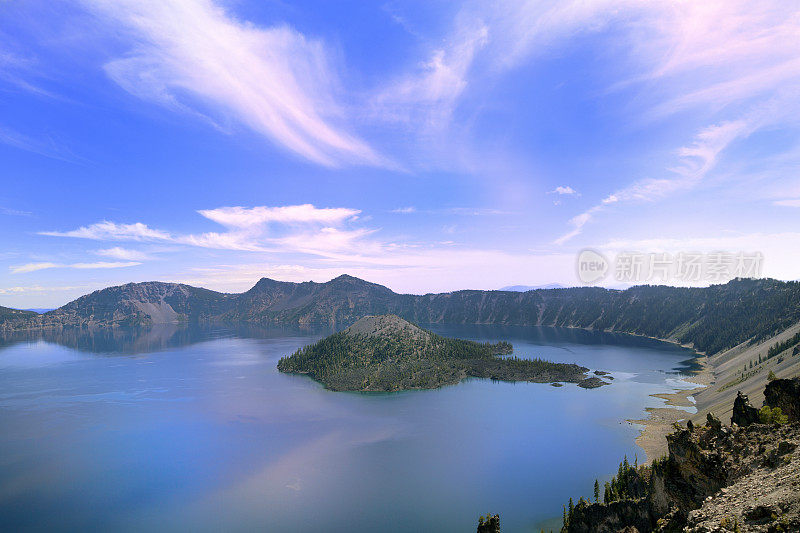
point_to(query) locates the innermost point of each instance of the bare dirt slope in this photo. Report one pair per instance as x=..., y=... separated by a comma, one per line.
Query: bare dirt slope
x=727, y=368
x=722, y=376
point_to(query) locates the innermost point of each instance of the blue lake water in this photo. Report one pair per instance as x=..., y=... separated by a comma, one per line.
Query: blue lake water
x=180, y=429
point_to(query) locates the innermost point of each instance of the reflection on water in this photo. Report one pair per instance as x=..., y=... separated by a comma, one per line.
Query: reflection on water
x=194, y=429
x=131, y=341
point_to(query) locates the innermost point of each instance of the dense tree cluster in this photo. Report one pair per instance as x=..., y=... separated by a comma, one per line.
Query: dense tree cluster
x=779, y=347
x=628, y=484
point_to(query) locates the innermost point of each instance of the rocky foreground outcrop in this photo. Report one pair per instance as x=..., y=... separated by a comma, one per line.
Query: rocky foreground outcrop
x=715, y=478
x=743, y=413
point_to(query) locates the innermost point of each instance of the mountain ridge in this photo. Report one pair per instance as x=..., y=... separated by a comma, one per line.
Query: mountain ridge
x=710, y=318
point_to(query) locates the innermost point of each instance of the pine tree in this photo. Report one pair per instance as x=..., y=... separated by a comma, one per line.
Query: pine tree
x=596, y=491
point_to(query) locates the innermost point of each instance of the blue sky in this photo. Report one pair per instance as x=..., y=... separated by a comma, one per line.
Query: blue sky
x=428, y=146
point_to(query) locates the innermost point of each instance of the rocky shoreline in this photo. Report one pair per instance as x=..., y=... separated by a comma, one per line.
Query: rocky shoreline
x=661, y=420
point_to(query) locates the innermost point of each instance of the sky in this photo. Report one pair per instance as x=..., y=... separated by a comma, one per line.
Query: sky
x=425, y=145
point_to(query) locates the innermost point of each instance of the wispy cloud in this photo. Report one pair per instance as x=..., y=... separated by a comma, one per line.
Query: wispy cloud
x=429, y=94
x=33, y=267
x=195, y=55
x=14, y=212
x=17, y=70
x=47, y=147
x=405, y=210
x=694, y=163
x=254, y=229
x=244, y=217
x=111, y=231
x=124, y=254
x=563, y=190
x=671, y=56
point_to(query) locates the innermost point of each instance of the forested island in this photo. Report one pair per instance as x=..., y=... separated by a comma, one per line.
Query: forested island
x=387, y=353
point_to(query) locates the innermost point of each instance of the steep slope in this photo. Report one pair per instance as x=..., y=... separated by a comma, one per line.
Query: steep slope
x=387, y=353
x=747, y=368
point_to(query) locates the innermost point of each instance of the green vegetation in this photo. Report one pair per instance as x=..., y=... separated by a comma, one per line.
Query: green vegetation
x=628, y=484
x=390, y=354
x=772, y=416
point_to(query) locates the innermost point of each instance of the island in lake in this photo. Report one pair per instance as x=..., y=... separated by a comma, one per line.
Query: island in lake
x=388, y=353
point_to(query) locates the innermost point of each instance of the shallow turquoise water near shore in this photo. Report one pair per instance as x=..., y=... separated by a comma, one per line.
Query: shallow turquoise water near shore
x=181, y=429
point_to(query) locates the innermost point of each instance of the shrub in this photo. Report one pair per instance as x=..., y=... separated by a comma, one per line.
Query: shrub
x=772, y=416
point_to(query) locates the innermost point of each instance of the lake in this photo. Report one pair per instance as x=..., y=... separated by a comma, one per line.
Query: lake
x=176, y=429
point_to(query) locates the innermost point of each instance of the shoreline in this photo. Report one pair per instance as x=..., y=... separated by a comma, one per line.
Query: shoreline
x=660, y=420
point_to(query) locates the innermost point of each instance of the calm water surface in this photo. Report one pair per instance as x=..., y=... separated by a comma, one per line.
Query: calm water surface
x=181, y=429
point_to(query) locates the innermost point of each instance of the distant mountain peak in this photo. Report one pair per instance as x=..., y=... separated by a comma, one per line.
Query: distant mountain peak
x=350, y=280
x=525, y=288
